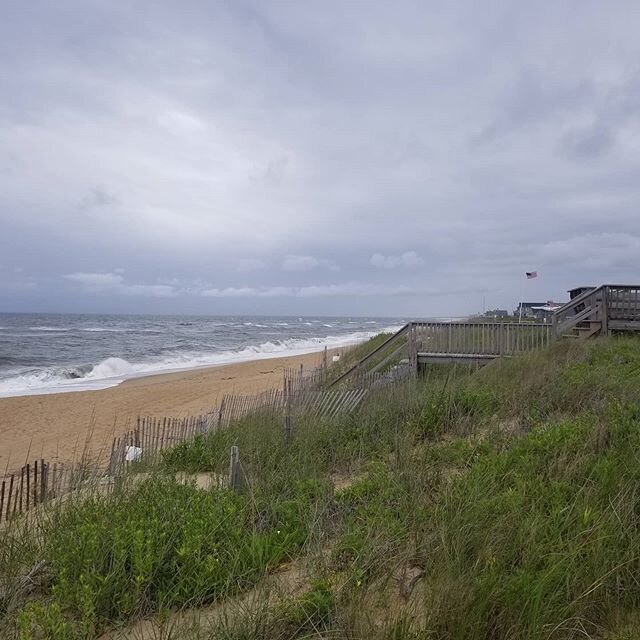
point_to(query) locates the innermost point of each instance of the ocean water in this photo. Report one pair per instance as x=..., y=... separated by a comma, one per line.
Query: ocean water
x=41, y=353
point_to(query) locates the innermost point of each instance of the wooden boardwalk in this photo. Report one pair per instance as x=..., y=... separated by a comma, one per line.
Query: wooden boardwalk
x=597, y=311
x=419, y=343
x=470, y=341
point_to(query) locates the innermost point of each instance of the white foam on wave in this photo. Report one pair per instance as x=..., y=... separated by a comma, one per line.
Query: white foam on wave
x=46, y=328
x=113, y=371
x=111, y=368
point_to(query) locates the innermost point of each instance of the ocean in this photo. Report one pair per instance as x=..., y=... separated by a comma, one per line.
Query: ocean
x=52, y=353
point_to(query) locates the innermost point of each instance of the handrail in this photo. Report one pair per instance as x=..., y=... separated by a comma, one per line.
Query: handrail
x=426, y=323
x=572, y=321
x=486, y=338
x=570, y=315
x=578, y=299
x=586, y=294
x=358, y=364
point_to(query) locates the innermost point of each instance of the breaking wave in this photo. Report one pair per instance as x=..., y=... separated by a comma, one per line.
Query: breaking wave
x=114, y=370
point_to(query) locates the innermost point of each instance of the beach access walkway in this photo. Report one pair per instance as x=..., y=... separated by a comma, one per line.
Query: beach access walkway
x=596, y=311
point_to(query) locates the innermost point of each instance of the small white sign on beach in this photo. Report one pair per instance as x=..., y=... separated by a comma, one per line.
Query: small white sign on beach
x=132, y=454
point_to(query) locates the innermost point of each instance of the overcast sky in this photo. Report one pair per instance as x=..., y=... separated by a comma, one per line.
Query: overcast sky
x=383, y=158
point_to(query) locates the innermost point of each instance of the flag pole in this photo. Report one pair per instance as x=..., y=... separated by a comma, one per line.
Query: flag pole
x=521, y=300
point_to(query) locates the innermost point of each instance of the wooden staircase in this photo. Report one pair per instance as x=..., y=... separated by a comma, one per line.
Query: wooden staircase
x=599, y=311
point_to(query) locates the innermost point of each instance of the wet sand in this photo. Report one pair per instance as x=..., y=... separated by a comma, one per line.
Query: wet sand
x=59, y=427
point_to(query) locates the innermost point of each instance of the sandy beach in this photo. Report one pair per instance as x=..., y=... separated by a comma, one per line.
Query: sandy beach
x=60, y=426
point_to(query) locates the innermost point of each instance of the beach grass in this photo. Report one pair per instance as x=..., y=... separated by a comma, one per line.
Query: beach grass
x=491, y=503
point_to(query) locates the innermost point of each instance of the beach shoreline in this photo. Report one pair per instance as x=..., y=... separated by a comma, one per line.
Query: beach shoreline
x=63, y=426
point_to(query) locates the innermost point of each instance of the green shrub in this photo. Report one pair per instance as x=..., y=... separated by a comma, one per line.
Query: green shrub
x=162, y=545
x=312, y=612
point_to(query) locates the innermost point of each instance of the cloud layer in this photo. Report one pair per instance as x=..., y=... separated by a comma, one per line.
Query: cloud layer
x=284, y=157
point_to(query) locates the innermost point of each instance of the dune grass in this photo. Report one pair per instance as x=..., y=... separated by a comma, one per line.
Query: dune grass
x=491, y=503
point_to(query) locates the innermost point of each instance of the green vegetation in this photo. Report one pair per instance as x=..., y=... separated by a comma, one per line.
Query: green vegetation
x=499, y=503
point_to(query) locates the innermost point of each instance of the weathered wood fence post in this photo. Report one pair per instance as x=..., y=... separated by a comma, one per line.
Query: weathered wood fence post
x=288, y=433
x=413, y=349
x=605, y=311
x=235, y=471
x=501, y=339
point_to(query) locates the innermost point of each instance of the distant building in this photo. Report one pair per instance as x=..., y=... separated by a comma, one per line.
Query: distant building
x=496, y=313
x=542, y=311
x=526, y=309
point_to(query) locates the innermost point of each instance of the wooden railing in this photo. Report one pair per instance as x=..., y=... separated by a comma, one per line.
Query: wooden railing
x=622, y=307
x=588, y=307
x=385, y=351
x=483, y=339
x=599, y=310
x=462, y=339
x=609, y=307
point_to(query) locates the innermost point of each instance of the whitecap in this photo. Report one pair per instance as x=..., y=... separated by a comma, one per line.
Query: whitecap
x=114, y=370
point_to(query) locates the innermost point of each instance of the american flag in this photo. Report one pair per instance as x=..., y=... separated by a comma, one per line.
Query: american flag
x=531, y=274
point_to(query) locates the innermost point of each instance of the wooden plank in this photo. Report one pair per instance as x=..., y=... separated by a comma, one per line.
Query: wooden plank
x=624, y=325
x=35, y=483
x=28, y=483
x=357, y=400
x=235, y=478
x=395, y=336
x=9, y=511
x=43, y=485
x=333, y=399
x=54, y=478
x=346, y=401
x=452, y=358
x=44, y=480
x=335, y=407
x=324, y=403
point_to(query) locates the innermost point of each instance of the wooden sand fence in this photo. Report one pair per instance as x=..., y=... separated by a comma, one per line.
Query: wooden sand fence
x=42, y=481
x=300, y=395
x=35, y=483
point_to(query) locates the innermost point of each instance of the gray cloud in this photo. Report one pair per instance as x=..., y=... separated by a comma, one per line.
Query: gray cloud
x=347, y=289
x=246, y=265
x=288, y=157
x=114, y=283
x=408, y=260
x=587, y=143
x=307, y=263
x=97, y=197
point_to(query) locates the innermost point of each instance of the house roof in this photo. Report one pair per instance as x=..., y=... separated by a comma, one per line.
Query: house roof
x=579, y=289
x=547, y=307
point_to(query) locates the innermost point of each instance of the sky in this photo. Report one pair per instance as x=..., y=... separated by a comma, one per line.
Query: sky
x=335, y=158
